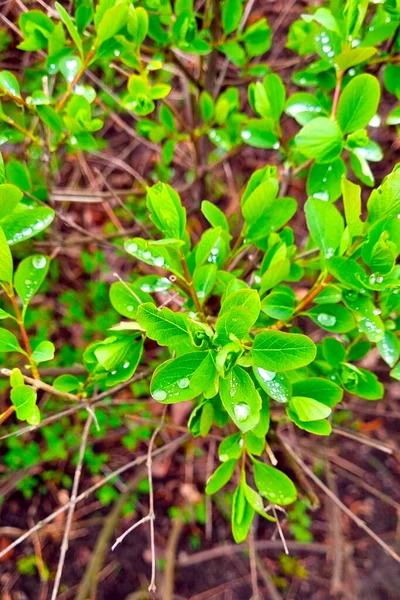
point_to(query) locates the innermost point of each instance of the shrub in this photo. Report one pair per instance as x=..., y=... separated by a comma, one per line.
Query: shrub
x=261, y=328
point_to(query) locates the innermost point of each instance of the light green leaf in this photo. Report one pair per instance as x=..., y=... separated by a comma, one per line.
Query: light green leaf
x=231, y=13
x=358, y=103
x=8, y=342
x=277, y=385
x=172, y=380
x=24, y=223
x=163, y=254
x=332, y=317
x=23, y=398
x=354, y=56
x=320, y=139
x=352, y=207
x=204, y=280
x=166, y=210
x=9, y=84
x=43, y=352
x=325, y=223
x=259, y=133
x=30, y=275
x=231, y=447
x=221, y=476
x=240, y=399
x=308, y=409
x=168, y=328
x=389, y=348
x=127, y=297
x=10, y=196
x=214, y=215
x=111, y=22
x=322, y=390
x=6, y=261
x=278, y=351
x=242, y=515
x=323, y=181
x=69, y=24
x=274, y=484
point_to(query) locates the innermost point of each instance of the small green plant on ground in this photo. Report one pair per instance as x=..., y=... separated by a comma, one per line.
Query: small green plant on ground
x=219, y=316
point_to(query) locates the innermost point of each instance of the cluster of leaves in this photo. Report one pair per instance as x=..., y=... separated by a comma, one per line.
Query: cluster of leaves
x=226, y=348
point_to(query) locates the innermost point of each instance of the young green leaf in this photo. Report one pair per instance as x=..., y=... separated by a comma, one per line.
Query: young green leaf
x=322, y=390
x=320, y=139
x=358, y=103
x=240, y=399
x=30, y=275
x=10, y=196
x=23, y=398
x=6, y=261
x=221, y=476
x=325, y=223
x=44, y=351
x=308, y=409
x=277, y=351
x=8, y=342
x=274, y=485
x=172, y=380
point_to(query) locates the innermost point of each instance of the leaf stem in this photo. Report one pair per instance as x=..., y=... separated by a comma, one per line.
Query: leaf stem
x=24, y=335
x=76, y=80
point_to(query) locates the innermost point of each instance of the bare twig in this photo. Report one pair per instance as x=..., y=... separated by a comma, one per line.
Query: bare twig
x=37, y=383
x=170, y=447
x=71, y=507
x=361, y=524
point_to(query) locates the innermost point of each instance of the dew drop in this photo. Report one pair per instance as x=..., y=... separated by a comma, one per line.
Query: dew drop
x=39, y=262
x=326, y=320
x=183, y=383
x=159, y=261
x=266, y=375
x=241, y=411
x=132, y=247
x=159, y=395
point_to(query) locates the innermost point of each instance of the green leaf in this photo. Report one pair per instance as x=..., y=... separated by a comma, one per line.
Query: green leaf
x=242, y=515
x=111, y=22
x=277, y=385
x=303, y=107
x=9, y=84
x=16, y=378
x=308, y=409
x=69, y=24
x=323, y=181
x=204, y=280
x=325, y=223
x=322, y=390
x=320, y=427
x=67, y=383
x=23, y=398
x=332, y=317
x=320, y=139
x=264, y=212
x=358, y=103
x=6, y=261
x=233, y=323
x=279, y=304
x=220, y=477
x=259, y=133
x=273, y=484
x=163, y=254
x=172, y=380
x=334, y=353
x=352, y=207
x=362, y=383
x=23, y=224
x=231, y=447
x=10, y=196
x=43, y=352
x=138, y=24
x=168, y=328
x=389, y=348
x=127, y=297
x=268, y=97
x=395, y=373
x=244, y=298
x=366, y=315
x=240, y=399
x=30, y=275
x=166, y=210
x=213, y=247
x=214, y=215
x=231, y=12
x=50, y=118
x=8, y=342
x=354, y=56
x=207, y=106
x=278, y=351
